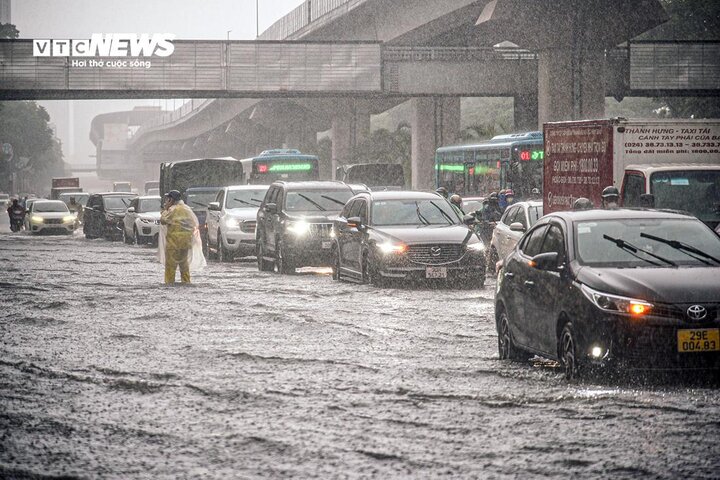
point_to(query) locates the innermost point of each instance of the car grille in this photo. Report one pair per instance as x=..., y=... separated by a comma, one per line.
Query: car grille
x=53, y=221
x=320, y=230
x=435, y=254
x=248, y=227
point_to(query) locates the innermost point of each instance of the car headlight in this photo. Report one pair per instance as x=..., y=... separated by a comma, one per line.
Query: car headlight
x=232, y=223
x=617, y=304
x=299, y=228
x=476, y=247
x=69, y=218
x=389, y=247
x=36, y=219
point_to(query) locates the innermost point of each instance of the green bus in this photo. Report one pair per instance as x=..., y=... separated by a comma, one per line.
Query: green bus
x=280, y=164
x=506, y=161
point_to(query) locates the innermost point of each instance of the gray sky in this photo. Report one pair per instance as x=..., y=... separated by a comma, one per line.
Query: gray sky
x=187, y=19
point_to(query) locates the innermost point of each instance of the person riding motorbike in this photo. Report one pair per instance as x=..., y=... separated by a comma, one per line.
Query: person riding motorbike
x=16, y=212
x=442, y=191
x=509, y=197
x=583, y=203
x=456, y=202
x=77, y=209
x=610, y=198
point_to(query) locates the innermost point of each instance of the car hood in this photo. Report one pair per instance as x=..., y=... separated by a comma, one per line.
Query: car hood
x=314, y=218
x=150, y=215
x=242, y=213
x=429, y=234
x=51, y=214
x=663, y=285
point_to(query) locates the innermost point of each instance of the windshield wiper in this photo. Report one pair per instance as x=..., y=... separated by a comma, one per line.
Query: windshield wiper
x=420, y=215
x=243, y=201
x=683, y=247
x=319, y=207
x=629, y=247
x=447, y=217
x=333, y=200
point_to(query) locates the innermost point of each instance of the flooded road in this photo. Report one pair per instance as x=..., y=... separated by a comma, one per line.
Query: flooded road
x=106, y=373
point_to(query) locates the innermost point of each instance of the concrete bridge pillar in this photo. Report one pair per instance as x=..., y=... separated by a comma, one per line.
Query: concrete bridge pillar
x=350, y=128
x=435, y=123
x=526, y=112
x=571, y=84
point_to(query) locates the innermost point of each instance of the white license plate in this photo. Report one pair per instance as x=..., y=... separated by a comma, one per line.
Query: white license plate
x=326, y=245
x=436, y=272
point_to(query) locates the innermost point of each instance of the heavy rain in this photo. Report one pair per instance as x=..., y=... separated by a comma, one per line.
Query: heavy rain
x=360, y=239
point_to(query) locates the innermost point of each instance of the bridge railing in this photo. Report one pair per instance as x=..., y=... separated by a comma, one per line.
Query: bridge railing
x=302, y=16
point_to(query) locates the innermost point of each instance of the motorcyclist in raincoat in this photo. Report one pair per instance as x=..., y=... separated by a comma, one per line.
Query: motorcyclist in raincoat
x=177, y=243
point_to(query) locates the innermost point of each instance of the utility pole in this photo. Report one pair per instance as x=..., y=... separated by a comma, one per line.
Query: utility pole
x=257, y=19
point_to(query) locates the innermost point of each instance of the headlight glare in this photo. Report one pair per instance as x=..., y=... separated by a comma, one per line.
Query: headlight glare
x=299, y=228
x=69, y=218
x=388, y=248
x=232, y=223
x=36, y=219
x=477, y=247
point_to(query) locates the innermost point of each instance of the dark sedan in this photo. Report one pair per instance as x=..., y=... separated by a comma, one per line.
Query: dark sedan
x=612, y=289
x=406, y=235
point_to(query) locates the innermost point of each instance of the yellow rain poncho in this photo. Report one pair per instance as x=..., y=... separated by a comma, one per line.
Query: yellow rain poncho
x=179, y=243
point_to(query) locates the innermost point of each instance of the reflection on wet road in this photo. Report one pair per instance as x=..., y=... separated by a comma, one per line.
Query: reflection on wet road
x=106, y=373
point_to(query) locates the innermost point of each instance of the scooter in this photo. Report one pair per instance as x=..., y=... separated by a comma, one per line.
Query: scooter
x=17, y=216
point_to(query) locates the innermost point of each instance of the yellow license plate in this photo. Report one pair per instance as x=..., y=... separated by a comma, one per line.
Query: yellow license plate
x=699, y=340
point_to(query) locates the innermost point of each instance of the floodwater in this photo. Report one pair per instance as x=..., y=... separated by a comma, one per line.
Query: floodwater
x=106, y=373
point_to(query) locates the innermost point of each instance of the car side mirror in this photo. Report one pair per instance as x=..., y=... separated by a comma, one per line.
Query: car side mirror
x=131, y=210
x=517, y=227
x=271, y=208
x=545, y=261
x=469, y=219
x=355, y=222
x=214, y=206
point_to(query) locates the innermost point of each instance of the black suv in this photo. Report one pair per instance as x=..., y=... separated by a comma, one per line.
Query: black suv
x=294, y=224
x=104, y=213
x=612, y=288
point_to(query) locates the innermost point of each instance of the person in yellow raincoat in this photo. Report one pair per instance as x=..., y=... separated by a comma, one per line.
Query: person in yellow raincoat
x=181, y=227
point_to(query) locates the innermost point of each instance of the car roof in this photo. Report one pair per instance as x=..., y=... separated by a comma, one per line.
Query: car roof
x=664, y=167
x=247, y=187
x=203, y=189
x=119, y=194
x=50, y=201
x=149, y=197
x=314, y=184
x=617, y=214
x=401, y=195
x=528, y=203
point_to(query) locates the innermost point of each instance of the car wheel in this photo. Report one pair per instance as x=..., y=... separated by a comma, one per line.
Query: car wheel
x=222, y=254
x=569, y=353
x=206, y=249
x=506, y=346
x=336, y=265
x=263, y=265
x=370, y=274
x=281, y=263
x=492, y=259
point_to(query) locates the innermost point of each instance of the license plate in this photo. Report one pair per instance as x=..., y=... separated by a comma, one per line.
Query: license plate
x=326, y=245
x=699, y=340
x=436, y=272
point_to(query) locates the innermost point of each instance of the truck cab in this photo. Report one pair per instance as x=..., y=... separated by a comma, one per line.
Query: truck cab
x=692, y=188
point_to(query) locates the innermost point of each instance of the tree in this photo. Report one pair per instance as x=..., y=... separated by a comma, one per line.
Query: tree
x=24, y=125
x=8, y=30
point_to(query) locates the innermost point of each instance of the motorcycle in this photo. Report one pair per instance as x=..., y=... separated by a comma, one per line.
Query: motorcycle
x=17, y=216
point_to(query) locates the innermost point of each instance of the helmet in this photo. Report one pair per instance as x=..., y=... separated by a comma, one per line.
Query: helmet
x=442, y=191
x=503, y=192
x=610, y=192
x=174, y=195
x=493, y=196
x=456, y=199
x=582, y=203
x=535, y=191
x=509, y=193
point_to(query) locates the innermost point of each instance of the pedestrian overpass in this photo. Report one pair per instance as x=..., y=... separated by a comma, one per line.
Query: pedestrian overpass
x=266, y=69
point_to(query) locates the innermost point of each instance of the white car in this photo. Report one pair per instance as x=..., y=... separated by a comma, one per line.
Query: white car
x=141, y=223
x=231, y=221
x=51, y=216
x=516, y=220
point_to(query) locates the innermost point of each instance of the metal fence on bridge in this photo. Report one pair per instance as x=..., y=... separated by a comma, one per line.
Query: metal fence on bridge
x=231, y=67
x=675, y=66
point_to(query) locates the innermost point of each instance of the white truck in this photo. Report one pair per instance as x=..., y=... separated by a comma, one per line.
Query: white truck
x=668, y=164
